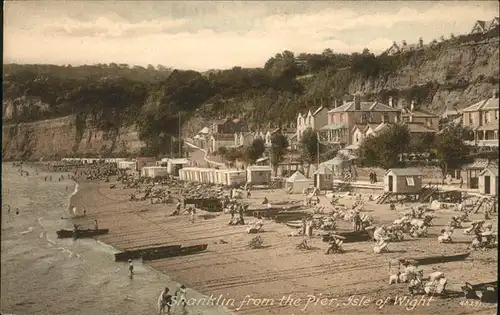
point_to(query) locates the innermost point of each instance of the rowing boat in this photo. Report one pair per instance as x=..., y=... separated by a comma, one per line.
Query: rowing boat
x=439, y=259
x=174, y=252
x=87, y=233
x=138, y=253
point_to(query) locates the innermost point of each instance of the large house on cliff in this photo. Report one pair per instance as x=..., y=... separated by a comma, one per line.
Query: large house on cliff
x=481, y=27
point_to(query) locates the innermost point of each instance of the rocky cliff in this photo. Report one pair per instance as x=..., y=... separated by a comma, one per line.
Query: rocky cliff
x=55, y=138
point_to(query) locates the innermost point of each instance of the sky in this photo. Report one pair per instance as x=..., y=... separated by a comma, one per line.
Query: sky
x=221, y=34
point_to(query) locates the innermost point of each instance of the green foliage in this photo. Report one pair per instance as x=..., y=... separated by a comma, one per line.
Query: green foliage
x=385, y=149
x=279, y=146
x=451, y=150
x=255, y=150
x=309, y=146
x=421, y=143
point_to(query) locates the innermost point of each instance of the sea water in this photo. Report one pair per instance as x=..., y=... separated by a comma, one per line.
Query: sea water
x=45, y=275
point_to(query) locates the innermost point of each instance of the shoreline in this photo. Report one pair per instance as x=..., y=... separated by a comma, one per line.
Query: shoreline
x=232, y=271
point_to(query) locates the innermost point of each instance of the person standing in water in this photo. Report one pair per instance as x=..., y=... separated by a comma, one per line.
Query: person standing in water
x=131, y=268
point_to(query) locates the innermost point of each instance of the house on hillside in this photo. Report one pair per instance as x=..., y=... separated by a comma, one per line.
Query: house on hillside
x=228, y=126
x=481, y=27
x=412, y=115
x=482, y=118
x=219, y=140
x=242, y=139
x=404, y=47
x=314, y=120
x=451, y=113
x=341, y=120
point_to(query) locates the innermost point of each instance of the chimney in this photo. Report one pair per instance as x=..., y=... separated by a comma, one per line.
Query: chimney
x=420, y=42
x=357, y=102
x=412, y=107
x=390, y=102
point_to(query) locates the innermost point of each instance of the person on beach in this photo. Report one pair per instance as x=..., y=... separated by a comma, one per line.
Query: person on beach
x=182, y=296
x=17, y=210
x=131, y=268
x=165, y=301
x=192, y=213
x=96, y=226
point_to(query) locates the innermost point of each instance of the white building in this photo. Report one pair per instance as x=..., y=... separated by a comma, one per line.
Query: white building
x=314, y=120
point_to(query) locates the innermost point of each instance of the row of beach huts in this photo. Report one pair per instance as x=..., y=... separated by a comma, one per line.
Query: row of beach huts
x=255, y=175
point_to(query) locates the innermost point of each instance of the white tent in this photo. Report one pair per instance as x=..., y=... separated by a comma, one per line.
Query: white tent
x=297, y=182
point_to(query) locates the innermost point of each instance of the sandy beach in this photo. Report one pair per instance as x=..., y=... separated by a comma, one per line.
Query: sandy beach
x=281, y=279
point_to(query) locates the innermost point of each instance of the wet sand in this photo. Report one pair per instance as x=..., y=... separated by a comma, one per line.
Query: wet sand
x=280, y=278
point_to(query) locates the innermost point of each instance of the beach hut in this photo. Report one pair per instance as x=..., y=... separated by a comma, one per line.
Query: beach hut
x=473, y=171
x=488, y=181
x=174, y=165
x=297, y=182
x=154, y=171
x=403, y=181
x=323, y=178
x=235, y=178
x=259, y=175
x=131, y=165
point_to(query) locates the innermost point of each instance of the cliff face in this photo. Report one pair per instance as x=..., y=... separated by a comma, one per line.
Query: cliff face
x=459, y=75
x=60, y=137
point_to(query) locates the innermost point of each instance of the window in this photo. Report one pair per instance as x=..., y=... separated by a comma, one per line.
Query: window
x=471, y=119
x=385, y=118
x=410, y=181
x=341, y=120
x=496, y=115
x=486, y=117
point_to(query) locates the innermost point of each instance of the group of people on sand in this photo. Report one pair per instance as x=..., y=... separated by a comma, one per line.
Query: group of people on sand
x=166, y=300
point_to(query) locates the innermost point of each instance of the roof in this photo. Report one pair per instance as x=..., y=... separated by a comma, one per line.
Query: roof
x=420, y=128
x=365, y=107
x=480, y=164
x=179, y=161
x=333, y=127
x=488, y=104
x=418, y=113
x=318, y=110
x=297, y=176
x=490, y=126
x=335, y=161
x=404, y=172
x=492, y=169
x=259, y=168
x=323, y=170
x=223, y=137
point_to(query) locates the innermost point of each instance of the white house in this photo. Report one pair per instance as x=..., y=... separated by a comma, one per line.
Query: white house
x=314, y=120
x=481, y=27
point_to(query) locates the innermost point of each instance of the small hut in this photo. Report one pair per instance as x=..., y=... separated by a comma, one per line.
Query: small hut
x=259, y=175
x=174, y=165
x=235, y=178
x=154, y=171
x=403, y=181
x=297, y=182
x=473, y=171
x=488, y=181
x=323, y=178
